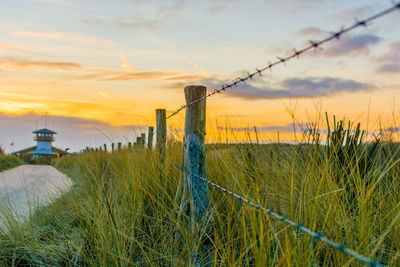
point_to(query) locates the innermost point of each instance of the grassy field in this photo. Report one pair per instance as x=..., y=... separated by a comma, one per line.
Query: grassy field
x=122, y=212
x=9, y=161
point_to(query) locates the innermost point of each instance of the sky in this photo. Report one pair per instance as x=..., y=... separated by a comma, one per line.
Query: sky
x=100, y=68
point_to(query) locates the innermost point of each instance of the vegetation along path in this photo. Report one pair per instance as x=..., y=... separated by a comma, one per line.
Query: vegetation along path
x=28, y=186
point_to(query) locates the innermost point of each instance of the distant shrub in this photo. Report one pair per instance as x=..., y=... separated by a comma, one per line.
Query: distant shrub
x=9, y=161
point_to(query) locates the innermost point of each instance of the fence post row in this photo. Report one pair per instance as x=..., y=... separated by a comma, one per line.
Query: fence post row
x=196, y=193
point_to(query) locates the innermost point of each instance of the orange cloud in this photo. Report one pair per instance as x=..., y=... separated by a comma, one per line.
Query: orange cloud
x=19, y=50
x=18, y=63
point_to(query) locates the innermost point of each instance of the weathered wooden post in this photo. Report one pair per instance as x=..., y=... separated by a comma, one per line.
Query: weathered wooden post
x=105, y=147
x=112, y=147
x=129, y=145
x=161, y=133
x=119, y=145
x=143, y=139
x=138, y=141
x=150, y=137
x=196, y=200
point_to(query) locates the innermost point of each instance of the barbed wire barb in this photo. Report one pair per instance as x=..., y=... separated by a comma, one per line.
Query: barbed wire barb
x=313, y=45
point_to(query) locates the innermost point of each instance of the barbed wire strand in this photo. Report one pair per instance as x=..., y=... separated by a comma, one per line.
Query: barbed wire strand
x=296, y=54
x=315, y=235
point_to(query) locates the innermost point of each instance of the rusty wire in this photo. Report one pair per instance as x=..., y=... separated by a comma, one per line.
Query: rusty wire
x=296, y=53
x=315, y=235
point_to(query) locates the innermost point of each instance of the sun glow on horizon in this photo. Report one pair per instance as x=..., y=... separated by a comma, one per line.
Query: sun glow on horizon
x=115, y=68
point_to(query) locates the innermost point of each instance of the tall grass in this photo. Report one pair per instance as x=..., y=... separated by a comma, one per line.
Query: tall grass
x=121, y=212
x=9, y=161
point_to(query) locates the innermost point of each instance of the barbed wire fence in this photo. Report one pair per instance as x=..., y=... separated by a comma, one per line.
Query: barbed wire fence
x=315, y=235
x=313, y=45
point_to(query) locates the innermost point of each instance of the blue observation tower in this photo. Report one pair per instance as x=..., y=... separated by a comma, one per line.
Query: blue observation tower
x=44, y=138
x=43, y=152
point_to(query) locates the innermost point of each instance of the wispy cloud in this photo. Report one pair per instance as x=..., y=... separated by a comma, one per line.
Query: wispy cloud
x=25, y=96
x=92, y=21
x=196, y=66
x=310, y=31
x=125, y=64
x=71, y=71
x=104, y=94
x=387, y=68
x=351, y=14
x=142, y=75
x=288, y=88
x=23, y=64
x=64, y=36
x=347, y=45
x=390, y=59
x=151, y=15
x=24, y=51
x=302, y=87
x=351, y=45
x=136, y=23
x=130, y=73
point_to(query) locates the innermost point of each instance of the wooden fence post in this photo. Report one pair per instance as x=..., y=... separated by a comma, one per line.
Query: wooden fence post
x=105, y=147
x=112, y=147
x=196, y=194
x=129, y=145
x=143, y=139
x=161, y=133
x=119, y=145
x=150, y=137
x=138, y=141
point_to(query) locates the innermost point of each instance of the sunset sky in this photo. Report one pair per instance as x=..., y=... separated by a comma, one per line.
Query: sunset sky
x=111, y=63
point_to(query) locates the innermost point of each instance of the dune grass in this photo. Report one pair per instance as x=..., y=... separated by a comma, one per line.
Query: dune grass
x=9, y=162
x=122, y=209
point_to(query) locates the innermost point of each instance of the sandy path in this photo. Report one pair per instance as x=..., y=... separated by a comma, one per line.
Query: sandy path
x=28, y=186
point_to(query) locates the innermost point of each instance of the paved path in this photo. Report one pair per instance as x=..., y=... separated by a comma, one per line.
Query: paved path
x=28, y=186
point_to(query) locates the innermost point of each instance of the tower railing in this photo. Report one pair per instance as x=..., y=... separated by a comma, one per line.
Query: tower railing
x=44, y=138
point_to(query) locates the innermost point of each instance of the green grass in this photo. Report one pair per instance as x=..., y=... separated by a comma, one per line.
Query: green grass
x=9, y=162
x=121, y=212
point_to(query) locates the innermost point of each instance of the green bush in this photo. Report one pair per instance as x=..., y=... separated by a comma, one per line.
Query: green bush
x=9, y=161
